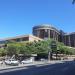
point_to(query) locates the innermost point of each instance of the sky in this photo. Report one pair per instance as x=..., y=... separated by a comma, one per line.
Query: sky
x=17, y=17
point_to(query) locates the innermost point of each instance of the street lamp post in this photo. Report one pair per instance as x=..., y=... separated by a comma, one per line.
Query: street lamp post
x=53, y=48
x=49, y=55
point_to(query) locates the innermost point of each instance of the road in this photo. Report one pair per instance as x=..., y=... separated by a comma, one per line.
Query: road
x=66, y=68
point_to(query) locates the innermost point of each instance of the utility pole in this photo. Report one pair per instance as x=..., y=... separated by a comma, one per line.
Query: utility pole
x=49, y=55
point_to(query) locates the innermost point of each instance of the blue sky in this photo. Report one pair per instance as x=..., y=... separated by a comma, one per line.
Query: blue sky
x=17, y=17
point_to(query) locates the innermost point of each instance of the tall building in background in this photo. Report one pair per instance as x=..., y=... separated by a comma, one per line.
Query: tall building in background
x=46, y=31
x=69, y=39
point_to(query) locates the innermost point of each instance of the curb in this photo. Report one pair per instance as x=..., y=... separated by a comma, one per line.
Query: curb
x=22, y=67
x=26, y=66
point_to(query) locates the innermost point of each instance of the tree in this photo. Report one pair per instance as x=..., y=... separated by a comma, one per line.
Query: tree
x=73, y=1
x=12, y=49
x=40, y=48
x=19, y=48
x=2, y=52
x=61, y=48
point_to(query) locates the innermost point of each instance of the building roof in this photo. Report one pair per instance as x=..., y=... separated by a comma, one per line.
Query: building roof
x=43, y=26
x=46, y=26
x=21, y=36
x=70, y=33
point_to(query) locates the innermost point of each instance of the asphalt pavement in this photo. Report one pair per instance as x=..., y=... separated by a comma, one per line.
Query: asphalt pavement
x=65, y=68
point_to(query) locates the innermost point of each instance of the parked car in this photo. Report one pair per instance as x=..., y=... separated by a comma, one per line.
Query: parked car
x=42, y=59
x=27, y=61
x=1, y=62
x=11, y=62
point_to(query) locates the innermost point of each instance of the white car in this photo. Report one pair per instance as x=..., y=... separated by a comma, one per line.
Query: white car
x=11, y=62
x=42, y=59
x=1, y=62
x=27, y=61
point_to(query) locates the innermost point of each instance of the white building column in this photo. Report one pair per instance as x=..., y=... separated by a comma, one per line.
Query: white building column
x=48, y=33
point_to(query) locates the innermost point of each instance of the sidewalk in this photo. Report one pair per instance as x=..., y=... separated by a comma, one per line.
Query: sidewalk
x=25, y=66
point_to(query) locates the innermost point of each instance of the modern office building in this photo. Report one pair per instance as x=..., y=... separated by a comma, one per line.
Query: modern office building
x=46, y=31
x=69, y=39
x=22, y=38
x=43, y=32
